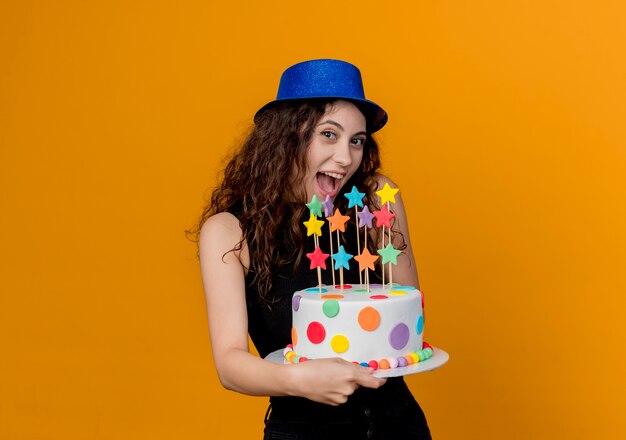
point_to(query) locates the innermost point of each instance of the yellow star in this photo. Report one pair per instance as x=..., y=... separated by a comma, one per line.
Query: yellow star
x=387, y=194
x=313, y=226
x=366, y=260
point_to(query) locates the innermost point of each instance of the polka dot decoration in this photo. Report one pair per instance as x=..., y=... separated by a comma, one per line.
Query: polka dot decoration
x=397, y=292
x=345, y=286
x=369, y=318
x=316, y=332
x=294, y=336
x=339, y=344
x=379, y=297
x=316, y=290
x=330, y=308
x=419, y=326
x=403, y=288
x=332, y=296
x=295, y=302
x=399, y=336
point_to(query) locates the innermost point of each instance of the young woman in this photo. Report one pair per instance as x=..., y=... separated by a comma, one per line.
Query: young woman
x=314, y=139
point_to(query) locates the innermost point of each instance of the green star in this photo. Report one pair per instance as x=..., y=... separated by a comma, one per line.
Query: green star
x=315, y=206
x=389, y=254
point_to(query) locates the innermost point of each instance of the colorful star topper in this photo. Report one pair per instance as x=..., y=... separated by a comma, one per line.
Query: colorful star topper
x=328, y=207
x=387, y=194
x=318, y=258
x=389, y=254
x=383, y=217
x=338, y=221
x=365, y=217
x=341, y=258
x=366, y=260
x=315, y=206
x=313, y=226
x=355, y=198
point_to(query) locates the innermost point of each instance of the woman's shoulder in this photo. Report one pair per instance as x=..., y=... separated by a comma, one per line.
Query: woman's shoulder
x=381, y=179
x=221, y=236
x=221, y=232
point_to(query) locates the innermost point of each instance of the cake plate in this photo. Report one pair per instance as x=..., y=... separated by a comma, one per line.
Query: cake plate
x=438, y=358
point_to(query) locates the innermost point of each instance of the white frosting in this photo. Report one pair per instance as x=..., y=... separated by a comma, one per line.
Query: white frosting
x=401, y=319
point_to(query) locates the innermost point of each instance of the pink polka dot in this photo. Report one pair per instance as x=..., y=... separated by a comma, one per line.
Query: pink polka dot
x=379, y=297
x=315, y=332
x=345, y=286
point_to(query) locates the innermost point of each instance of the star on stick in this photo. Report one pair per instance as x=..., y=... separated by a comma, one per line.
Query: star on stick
x=341, y=258
x=383, y=217
x=338, y=221
x=313, y=226
x=328, y=207
x=366, y=260
x=387, y=194
x=365, y=217
x=355, y=198
x=389, y=254
x=315, y=206
x=318, y=258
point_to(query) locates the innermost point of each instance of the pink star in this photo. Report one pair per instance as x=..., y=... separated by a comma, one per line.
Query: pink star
x=383, y=217
x=318, y=258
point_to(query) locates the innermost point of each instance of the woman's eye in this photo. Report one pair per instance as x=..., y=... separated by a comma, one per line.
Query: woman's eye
x=358, y=141
x=328, y=134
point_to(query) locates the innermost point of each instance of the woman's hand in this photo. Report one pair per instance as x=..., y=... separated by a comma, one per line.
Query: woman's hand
x=330, y=381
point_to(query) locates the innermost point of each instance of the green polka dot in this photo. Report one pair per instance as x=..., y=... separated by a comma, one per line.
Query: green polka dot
x=360, y=291
x=331, y=308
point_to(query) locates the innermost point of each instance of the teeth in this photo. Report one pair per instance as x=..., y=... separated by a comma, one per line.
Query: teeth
x=333, y=175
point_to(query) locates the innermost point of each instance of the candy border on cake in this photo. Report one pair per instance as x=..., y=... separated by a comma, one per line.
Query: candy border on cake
x=383, y=364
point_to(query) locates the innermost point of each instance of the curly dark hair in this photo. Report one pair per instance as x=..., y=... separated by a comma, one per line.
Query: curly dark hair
x=274, y=156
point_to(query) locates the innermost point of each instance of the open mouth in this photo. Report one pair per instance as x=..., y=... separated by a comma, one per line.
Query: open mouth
x=329, y=182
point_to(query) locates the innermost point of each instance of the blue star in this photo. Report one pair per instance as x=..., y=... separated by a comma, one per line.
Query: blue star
x=328, y=207
x=355, y=197
x=365, y=218
x=341, y=258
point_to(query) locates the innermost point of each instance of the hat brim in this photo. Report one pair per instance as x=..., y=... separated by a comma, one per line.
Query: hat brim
x=375, y=116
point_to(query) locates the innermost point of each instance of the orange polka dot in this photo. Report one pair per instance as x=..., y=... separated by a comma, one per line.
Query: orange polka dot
x=294, y=336
x=332, y=296
x=369, y=318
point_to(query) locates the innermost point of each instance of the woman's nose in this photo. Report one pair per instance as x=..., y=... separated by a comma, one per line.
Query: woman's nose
x=342, y=155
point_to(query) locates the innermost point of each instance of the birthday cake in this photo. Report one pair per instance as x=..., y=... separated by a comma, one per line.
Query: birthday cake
x=381, y=328
x=376, y=325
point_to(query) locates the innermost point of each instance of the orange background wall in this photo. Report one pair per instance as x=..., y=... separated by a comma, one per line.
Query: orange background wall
x=507, y=137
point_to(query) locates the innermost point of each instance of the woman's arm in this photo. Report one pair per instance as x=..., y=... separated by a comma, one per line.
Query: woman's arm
x=329, y=381
x=405, y=272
